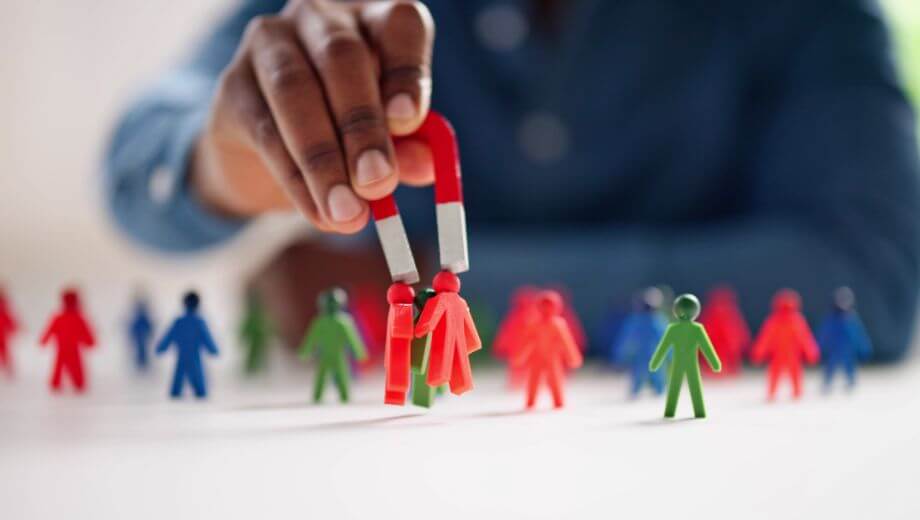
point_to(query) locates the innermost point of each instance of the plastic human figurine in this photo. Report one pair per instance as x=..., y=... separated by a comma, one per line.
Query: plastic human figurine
x=686, y=339
x=842, y=338
x=785, y=340
x=255, y=333
x=397, y=360
x=446, y=316
x=8, y=327
x=523, y=311
x=331, y=334
x=190, y=334
x=637, y=340
x=141, y=332
x=727, y=329
x=71, y=332
x=422, y=393
x=547, y=349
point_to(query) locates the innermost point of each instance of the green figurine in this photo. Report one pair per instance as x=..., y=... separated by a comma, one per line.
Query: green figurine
x=256, y=333
x=330, y=334
x=686, y=338
x=422, y=393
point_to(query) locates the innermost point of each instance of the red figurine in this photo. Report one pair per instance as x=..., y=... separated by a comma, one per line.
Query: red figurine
x=446, y=315
x=71, y=333
x=785, y=340
x=547, y=349
x=507, y=340
x=8, y=327
x=400, y=332
x=729, y=333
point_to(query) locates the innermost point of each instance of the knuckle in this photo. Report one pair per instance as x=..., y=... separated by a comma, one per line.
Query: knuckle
x=263, y=128
x=283, y=68
x=342, y=48
x=362, y=121
x=323, y=158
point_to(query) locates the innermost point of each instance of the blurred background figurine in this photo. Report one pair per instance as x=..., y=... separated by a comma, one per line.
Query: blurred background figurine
x=785, y=341
x=727, y=329
x=331, y=337
x=140, y=330
x=255, y=334
x=72, y=333
x=8, y=328
x=637, y=340
x=547, y=349
x=842, y=338
x=190, y=335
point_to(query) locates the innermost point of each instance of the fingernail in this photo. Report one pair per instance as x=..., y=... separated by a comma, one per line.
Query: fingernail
x=343, y=205
x=372, y=166
x=401, y=108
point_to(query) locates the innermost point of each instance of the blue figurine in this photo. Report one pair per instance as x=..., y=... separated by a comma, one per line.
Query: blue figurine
x=842, y=338
x=190, y=334
x=638, y=337
x=141, y=329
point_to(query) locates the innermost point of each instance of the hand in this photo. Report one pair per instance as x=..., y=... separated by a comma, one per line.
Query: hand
x=304, y=113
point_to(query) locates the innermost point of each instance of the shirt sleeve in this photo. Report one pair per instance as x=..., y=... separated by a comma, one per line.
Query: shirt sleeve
x=146, y=163
x=834, y=182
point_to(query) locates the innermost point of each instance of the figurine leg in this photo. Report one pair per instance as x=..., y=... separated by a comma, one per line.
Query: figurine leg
x=533, y=382
x=830, y=367
x=175, y=390
x=440, y=356
x=849, y=368
x=75, y=370
x=795, y=374
x=56, y=375
x=196, y=379
x=422, y=394
x=670, y=406
x=554, y=378
x=696, y=393
x=638, y=376
x=340, y=377
x=319, y=384
x=773, y=374
x=461, y=375
x=5, y=359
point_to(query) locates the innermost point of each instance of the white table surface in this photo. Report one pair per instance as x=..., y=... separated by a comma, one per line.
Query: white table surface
x=258, y=448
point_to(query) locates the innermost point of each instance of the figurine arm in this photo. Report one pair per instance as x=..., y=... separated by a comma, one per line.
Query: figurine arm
x=207, y=341
x=823, y=337
x=473, y=342
x=860, y=338
x=525, y=347
x=807, y=341
x=353, y=339
x=709, y=352
x=661, y=351
x=86, y=334
x=167, y=340
x=623, y=347
x=761, y=347
x=49, y=332
x=308, y=345
x=571, y=355
x=431, y=315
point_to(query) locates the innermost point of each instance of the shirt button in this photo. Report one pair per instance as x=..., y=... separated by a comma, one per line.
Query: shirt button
x=501, y=27
x=543, y=138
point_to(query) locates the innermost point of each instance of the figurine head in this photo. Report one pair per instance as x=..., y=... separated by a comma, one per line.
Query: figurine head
x=446, y=281
x=844, y=299
x=721, y=294
x=686, y=307
x=549, y=303
x=650, y=300
x=787, y=300
x=71, y=299
x=399, y=292
x=332, y=300
x=191, y=302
